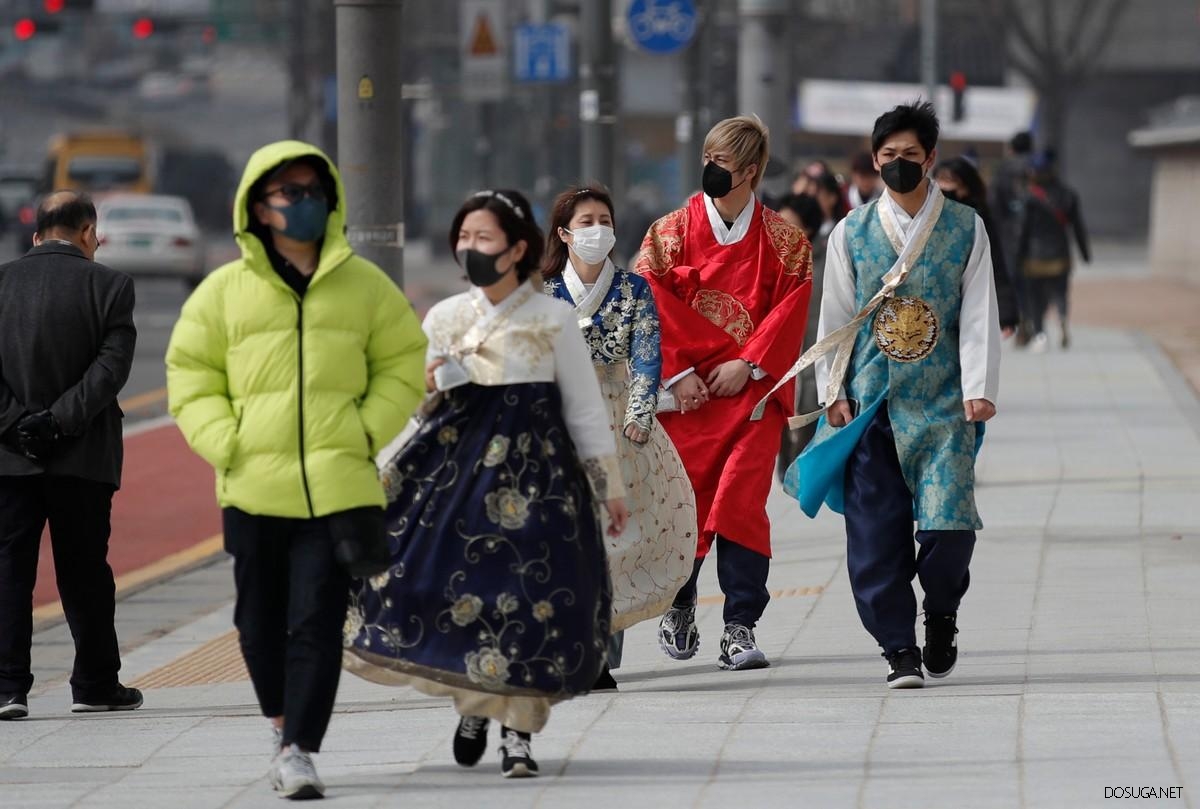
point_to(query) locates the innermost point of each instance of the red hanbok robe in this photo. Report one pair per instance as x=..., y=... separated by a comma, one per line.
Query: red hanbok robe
x=717, y=303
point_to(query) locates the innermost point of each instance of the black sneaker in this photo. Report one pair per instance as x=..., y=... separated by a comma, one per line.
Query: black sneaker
x=904, y=669
x=470, y=740
x=941, y=644
x=739, y=651
x=605, y=681
x=121, y=699
x=13, y=706
x=516, y=759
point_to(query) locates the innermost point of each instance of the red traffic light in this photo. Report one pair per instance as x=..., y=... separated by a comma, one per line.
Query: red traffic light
x=24, y=29
x=958, y=81
x=143, y=28
x=53, y=6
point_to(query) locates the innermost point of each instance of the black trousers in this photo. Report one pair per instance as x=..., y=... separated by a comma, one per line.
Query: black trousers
x=742, y=574
x=78, y=512
x=879, y=545
x=291, y=605
x=1044, y=292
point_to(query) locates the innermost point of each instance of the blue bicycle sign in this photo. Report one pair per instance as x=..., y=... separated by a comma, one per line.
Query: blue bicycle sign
x=662, y=26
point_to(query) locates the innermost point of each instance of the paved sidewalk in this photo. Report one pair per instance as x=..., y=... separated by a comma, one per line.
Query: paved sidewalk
x=1080, y=666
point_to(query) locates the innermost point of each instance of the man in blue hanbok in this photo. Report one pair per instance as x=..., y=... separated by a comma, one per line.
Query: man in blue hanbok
x=904, y=417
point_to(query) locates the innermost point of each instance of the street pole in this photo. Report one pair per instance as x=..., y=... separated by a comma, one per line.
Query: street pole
x=689, y=131
x=763, y=76
x=371, y=129
x=929, y=49
x=598, y=93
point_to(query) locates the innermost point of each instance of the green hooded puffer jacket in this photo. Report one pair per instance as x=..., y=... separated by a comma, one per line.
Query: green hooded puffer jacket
x=289, y=398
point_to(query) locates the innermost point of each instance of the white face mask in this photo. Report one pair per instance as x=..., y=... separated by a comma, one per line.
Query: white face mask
x=592, y=244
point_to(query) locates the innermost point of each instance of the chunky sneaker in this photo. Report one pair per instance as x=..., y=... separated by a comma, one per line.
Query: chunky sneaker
x=677, y=633
x=121, y=699
x=470, y=740
x=605, y=681
x=941, y=645
x=516, y=759
x=13, y=706
x=739, y=650
x=904, y=669
x=294, y=777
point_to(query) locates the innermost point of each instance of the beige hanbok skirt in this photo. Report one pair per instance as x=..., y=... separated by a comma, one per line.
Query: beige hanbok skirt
x=653, y=558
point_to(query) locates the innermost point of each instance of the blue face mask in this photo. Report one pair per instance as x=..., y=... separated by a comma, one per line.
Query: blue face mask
x=305, y=219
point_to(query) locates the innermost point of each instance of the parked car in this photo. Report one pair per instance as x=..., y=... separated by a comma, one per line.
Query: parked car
x=150, y=235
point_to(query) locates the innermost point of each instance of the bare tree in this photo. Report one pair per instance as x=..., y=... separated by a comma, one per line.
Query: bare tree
x=1055, y=45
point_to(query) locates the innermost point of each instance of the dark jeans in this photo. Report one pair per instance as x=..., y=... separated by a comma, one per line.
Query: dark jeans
x=291, y=605
x=1042, y=293
x=879, y=545
x=78, y=511
x=742, y=574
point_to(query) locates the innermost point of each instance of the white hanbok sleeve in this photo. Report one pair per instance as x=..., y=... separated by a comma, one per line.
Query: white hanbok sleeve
x=979, y=323
x=837, y=302
x=585, y=413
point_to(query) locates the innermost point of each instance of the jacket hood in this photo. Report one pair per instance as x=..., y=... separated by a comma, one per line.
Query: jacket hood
x=335, y=249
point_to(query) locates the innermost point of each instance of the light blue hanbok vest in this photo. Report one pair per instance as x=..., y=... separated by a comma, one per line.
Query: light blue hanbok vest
x=935, y=443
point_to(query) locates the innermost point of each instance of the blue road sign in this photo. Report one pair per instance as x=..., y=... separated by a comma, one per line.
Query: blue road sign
x=662, y=26
x=542, y=53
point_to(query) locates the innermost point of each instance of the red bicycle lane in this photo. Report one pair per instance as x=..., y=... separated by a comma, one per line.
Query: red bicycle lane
x=166, y=508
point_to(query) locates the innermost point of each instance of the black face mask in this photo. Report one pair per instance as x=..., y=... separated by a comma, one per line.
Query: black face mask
x=480, y=267
x=717, y=182
x=902, y=176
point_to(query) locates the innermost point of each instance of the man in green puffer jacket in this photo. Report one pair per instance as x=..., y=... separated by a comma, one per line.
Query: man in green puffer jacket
x=287, y=371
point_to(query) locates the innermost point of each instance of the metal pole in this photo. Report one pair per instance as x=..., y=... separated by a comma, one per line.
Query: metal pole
x=371, y=128
x=929, y=49
x=598, y=93
x=689, y=133
x=763, y=76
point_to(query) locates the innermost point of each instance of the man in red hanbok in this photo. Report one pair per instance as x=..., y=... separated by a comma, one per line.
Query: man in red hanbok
x=731, y=280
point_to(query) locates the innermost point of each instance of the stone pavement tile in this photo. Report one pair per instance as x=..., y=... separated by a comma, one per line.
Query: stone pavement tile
x=124, y=796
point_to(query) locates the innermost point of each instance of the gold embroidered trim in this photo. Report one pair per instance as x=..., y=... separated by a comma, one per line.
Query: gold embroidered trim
x=663, y=244
x=790, y=243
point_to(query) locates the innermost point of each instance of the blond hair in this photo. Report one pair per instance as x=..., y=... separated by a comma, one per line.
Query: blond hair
x=744, y=138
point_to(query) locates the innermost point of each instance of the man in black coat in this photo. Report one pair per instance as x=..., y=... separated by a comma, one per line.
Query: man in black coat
x=66, y=348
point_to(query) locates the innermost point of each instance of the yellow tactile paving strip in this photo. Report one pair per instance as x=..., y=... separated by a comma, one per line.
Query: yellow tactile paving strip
x=220, y=660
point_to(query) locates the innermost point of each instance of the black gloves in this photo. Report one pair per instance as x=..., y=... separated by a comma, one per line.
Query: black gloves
x=36, y=436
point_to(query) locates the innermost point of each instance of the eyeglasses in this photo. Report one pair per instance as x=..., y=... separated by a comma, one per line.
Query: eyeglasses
x=293, y=192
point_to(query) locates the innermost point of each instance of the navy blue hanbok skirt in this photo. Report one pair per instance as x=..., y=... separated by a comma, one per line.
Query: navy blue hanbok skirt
x=499, y=593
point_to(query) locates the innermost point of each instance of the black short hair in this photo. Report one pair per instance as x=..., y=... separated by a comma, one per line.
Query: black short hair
x=807, y=210
x=863, y=163
x=66, y=209
x=515, y=215
x=918, y=117
x=1021, y=143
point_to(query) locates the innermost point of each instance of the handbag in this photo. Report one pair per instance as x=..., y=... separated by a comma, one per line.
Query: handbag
x=360, y=541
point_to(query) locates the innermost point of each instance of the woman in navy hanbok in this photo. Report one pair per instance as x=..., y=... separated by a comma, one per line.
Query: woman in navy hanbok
x=499, y=595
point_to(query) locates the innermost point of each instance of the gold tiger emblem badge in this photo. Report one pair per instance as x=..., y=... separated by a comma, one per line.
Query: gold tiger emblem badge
x=906, y=329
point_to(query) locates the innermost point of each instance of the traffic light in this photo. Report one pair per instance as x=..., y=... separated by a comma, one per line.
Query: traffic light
x=958, y=84
x=24, y=29
x=143, y=28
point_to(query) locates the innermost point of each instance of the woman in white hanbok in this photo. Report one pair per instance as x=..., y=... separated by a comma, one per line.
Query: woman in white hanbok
x=615, y=309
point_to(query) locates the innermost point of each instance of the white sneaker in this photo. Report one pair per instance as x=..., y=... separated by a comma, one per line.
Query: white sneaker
x=294, y=777
x=1039, y=343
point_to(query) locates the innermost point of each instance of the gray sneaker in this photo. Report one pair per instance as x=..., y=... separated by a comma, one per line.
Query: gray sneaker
x=677, y=633
x=294, y=777
x=739, y=650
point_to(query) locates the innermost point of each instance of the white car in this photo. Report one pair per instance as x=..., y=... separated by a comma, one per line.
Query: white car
x=150, y=235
